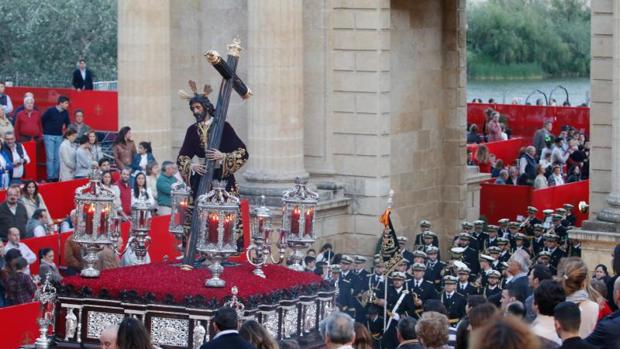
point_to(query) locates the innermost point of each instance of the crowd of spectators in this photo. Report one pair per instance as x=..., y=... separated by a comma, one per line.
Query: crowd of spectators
x=551, y=160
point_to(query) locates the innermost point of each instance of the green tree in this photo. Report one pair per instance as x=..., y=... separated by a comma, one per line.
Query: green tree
x=43, y=39
x=539, y=37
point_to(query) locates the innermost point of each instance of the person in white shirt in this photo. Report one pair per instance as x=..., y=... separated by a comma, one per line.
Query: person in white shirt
x=548, y=294
x=16, y=153
x=558, y=154
x=14, y=243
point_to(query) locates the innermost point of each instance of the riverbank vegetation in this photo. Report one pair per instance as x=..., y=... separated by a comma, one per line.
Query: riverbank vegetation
x=528, y=39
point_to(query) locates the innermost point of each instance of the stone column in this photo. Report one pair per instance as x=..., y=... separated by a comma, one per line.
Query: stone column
x=275, y=112
x=144, y=72
x=611, y=213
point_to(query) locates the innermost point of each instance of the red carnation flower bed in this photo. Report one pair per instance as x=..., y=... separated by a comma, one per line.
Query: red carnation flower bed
x=162, y=279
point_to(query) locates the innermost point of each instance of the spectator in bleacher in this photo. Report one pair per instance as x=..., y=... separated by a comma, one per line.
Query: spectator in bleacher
x=502, y=178
x=527, y=166
x=6, y=262
x=14, y=243
x=84, y=162
x=95, y=149
x=17, y=156
x=82, y=77
x=47, y=265
x=31, y=198
x=513, y=176
x=12, y=212
x=152, y=172
x=574, y=174
x=5, y=171
x=37, y=224
x=541, y=181
x=5, y=124
x=28, y=123
x=104, y=165
x=106, y=182
x=497, y=168
x=541, y=135
x=141, y=190
x=556, y=176
x=142, y=158
x=164, y=186
x=546, y=163
x=69, y=222
x=5, y=101
x=473, y=137
x=494, y=128
x=20, y=288
x=13, y=116
x=79, y=125
x=125, y=189
x=483, y=159
x=559, y=155
x=55, y=120
x=67, y=156
x=124, y=148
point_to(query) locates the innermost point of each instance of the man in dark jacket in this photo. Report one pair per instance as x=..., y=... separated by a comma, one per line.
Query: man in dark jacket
x=567, y=319
x=12, y=213
x=606, y=334
x=225, y=324
x=405, y=332
x=82, y=77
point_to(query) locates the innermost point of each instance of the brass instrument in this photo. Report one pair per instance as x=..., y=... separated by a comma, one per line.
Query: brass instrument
x=367, y=297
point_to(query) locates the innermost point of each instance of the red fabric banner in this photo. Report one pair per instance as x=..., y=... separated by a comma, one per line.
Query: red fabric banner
x=19, y=325
x=100, y=107
x=524, y=120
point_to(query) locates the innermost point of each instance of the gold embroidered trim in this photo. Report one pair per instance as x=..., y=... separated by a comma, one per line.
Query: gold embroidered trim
x=233, y=161
x=184, y=163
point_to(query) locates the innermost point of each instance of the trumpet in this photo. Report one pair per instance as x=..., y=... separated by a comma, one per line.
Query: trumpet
x=367, y=297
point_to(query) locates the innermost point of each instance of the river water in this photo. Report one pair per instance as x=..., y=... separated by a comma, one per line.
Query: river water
x=504, y=91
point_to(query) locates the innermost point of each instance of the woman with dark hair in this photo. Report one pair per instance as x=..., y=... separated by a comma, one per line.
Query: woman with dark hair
x=601, y=273
x=31, y=198
x=473, y=137
x=19, y=286
x=615, y=264
x=95, y=149
x=67, y=155
x=124, y=148
x=47, y=265
x=143, y=158
x=83, y=159
x=326, y=253
x=133, y=335
x=256, y=334
x=141, y=190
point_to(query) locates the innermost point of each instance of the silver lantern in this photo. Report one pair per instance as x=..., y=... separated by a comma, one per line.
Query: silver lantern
x=219, y=214
x=180, y=198
x=95, y=214
x=298, y=218
x=259, y=252
x=139, y=240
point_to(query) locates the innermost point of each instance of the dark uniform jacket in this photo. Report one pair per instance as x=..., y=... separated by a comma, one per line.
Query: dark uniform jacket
x=468, y=290
x=488, y=292
x=433, y=273
x=455, y=306
x=556, y=255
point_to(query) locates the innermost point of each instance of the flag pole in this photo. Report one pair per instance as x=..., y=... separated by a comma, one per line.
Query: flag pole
x=387, y=272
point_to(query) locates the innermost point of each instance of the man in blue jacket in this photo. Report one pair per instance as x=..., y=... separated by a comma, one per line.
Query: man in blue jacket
x=606, y=334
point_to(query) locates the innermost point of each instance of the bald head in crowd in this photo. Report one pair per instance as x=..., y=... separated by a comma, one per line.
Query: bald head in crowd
x=107, y=338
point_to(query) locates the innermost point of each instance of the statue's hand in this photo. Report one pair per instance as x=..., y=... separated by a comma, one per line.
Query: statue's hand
x=214, y=154
x=198, y=168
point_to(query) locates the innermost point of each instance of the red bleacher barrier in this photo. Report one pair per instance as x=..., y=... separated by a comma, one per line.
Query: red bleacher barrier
x=507, y=150
x=507, y=201
x=555, y=197
x=55, y=242
x=100, y=107
x=19, y=325
x=30, y=169
x=524, y=120
x=499, y=201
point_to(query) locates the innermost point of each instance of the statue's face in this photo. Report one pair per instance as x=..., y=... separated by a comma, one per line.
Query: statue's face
x=199, y=112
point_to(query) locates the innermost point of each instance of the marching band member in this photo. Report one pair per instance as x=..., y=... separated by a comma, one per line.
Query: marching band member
x=434, y=267
x=465, y=287
x=492, y=288
x=453, y=301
